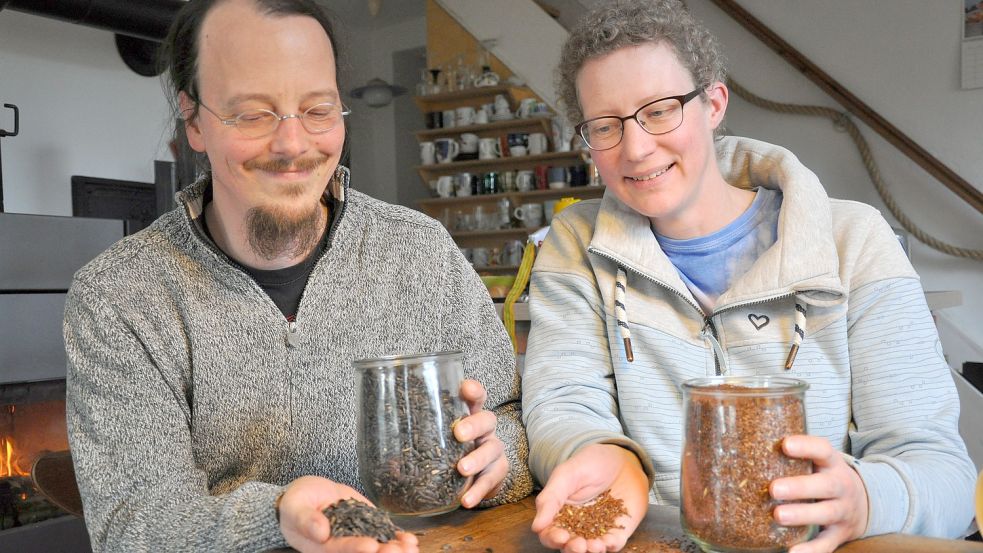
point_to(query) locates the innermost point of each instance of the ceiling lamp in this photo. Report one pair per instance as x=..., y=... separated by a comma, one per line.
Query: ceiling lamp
x=377, y=92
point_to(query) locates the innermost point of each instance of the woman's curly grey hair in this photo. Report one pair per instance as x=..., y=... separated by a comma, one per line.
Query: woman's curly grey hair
x=619, y=23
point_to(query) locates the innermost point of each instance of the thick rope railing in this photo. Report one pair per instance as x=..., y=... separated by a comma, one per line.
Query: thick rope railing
x=843, y=122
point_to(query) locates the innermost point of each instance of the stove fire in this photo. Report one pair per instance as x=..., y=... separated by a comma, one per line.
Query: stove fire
x=26, y=432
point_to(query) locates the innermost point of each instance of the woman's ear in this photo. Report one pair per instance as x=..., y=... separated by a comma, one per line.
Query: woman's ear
x=717, y=96
x=189, y=115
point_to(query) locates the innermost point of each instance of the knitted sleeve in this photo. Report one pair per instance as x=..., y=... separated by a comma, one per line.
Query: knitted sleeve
x=129, y=430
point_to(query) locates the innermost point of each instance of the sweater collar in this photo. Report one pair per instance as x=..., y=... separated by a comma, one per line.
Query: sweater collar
x=803, y=260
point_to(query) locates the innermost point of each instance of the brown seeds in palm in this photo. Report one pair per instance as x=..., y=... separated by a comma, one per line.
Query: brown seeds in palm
x=592, y=520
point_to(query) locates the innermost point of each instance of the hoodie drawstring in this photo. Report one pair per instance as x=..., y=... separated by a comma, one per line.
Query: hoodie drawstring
x=620, y=314
x=799, y=333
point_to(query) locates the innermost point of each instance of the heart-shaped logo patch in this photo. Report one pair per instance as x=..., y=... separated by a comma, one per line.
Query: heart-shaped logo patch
x=759, y=321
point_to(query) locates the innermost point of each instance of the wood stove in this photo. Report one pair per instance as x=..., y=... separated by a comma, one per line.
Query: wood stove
x=38, y=256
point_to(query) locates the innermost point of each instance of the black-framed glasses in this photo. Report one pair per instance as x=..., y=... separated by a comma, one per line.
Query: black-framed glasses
x=256, y=123
x=656, y=117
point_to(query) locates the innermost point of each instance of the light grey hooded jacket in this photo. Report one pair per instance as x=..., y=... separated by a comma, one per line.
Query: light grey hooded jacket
x=880, y=389
x=192, y=401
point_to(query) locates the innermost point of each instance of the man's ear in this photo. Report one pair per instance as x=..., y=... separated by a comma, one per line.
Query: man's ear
x=718, y=95
x=189, y=115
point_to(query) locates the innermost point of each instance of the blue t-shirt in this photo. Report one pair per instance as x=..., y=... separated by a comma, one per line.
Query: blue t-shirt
x=708, y=264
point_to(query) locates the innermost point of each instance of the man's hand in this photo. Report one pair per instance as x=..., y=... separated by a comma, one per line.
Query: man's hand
x=587, y=474
x=487, y=462
x=307, y=529
x=841, y=498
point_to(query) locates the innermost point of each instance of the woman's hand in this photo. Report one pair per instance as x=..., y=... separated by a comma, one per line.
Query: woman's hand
x=487, y=463
x=307, y=530
x=587, y=474
x=841, y=497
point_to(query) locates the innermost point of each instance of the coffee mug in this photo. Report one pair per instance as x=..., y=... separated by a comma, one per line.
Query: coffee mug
x=525, y=180
x=518, y=139
x=464, y=116
x=526, y=108
x=537, y=143
x=469, y=143
x=464, y=183
x=490, y=183
x=489, y=148
x=502, y=104
x=428, y=152
x=445, y=186
x=557, y=177
x=517, y=151
x=433, y=119
x=512, y=253
x=447, y=118
x=549, y=206
x=531, y=215
x=578, y=175
x=480, y=117
x=447, y=149
x=481, y=257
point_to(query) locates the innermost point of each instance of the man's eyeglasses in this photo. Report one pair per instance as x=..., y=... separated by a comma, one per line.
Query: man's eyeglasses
x=657, y=117
x=256, y=123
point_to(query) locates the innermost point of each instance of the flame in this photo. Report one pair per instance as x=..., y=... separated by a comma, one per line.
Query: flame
x=8, y=461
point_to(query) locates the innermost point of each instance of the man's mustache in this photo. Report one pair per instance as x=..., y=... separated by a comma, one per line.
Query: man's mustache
x=280, y=165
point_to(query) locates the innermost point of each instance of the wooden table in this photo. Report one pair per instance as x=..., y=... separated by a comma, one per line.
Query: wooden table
x=505, y=529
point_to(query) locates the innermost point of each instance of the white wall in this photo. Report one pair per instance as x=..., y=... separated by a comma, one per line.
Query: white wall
x=904, y=63
x=83, y=112
x=373, y=141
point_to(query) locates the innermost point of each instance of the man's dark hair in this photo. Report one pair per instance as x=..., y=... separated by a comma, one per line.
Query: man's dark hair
x=179, y=52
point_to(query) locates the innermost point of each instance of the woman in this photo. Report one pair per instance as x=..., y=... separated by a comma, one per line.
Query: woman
x=724, y=256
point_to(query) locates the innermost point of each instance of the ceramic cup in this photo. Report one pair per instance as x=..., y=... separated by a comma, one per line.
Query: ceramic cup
x=489, y=148
x=428, y=153
x=530, y=214
x=537, y=143
x=445, y=186
x=447, y=149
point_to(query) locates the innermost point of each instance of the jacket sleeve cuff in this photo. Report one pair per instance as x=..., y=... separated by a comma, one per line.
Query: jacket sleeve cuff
x=887, y=494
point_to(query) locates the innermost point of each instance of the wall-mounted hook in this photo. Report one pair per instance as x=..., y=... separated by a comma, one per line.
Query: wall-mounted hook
x=4, y=132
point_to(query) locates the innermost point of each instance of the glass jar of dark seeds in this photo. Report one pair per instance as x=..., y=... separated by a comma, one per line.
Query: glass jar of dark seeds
x=407, y=452
x=733, y=429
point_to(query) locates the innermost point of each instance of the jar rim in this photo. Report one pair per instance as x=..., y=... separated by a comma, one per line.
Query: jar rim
x=745, y=385
x=407, y=359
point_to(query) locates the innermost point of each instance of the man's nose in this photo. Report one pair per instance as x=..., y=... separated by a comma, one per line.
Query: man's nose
x=290, y=139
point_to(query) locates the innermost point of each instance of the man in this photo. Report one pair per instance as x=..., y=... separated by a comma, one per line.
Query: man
x=210, y=389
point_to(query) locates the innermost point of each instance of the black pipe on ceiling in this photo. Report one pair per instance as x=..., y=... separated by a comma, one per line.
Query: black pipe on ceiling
x=146, y=19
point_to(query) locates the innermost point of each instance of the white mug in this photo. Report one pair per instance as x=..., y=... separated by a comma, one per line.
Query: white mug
x=526, y=109
x=469, y=143
x=502, y=104
x=480, y=117
x=548, y=207
x=517, y=151
x=428, y=152
x=445, y=186
x=525, y=180
x=463, y=182
x=537, y=143
x=464, y=116
x=531, y=215
x=489, y=148
x=447, y=149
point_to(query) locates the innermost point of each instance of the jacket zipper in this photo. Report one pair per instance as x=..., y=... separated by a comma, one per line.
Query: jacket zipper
x=707, y=319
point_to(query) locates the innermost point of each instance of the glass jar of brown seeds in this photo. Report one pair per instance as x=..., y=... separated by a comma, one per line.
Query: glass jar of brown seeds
x=732, y=450
x=407, y=453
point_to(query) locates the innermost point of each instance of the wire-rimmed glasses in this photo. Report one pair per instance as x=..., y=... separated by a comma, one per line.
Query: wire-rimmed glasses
x=656, y=117
x=256, y=123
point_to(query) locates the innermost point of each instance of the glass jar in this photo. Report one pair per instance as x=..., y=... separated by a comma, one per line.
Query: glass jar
x=407, y=453
x=733, y=429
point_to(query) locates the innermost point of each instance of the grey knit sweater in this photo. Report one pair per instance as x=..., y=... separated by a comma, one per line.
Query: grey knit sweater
x=188, y=406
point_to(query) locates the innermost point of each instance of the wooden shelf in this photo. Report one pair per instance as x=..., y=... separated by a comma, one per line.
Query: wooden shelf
x=466, y=97
x=517, y=198
x=498, y=269
x=495, y=128
x=504, y=233
x=429, y=172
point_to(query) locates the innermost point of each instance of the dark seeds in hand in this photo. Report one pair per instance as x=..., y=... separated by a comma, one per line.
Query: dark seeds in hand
x=592, y=520
x=350, y=517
